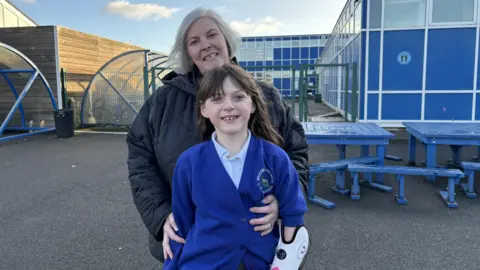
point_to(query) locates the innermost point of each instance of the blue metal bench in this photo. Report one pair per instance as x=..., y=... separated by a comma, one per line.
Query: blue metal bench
x=339, y=166
x=469, y=169
x=448, y=196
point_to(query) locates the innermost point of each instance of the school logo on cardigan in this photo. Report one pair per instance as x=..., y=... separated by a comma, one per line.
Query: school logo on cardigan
x=265, y=180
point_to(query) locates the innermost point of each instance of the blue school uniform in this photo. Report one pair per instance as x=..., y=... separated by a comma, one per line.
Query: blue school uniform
x=211, y=208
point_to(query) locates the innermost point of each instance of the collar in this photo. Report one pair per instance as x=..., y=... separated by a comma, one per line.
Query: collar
x=223, y=152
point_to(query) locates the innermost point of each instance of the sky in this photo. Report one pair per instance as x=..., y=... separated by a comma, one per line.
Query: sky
x=152, y=24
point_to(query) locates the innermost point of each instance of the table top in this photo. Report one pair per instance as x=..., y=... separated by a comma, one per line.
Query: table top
x=345, y=130
x=445, y=130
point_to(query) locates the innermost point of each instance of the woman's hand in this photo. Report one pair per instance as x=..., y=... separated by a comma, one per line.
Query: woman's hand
x=169, y=232
x=265, y=224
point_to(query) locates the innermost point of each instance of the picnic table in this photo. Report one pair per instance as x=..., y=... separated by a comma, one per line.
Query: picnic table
x=456, y=135
x=342, y=135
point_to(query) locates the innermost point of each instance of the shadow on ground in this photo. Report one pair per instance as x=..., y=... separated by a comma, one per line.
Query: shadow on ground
x=66, y=204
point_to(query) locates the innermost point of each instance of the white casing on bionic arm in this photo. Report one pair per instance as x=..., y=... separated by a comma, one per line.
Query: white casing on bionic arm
x=291, y=256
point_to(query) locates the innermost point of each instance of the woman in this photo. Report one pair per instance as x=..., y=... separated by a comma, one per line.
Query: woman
x=166, y=126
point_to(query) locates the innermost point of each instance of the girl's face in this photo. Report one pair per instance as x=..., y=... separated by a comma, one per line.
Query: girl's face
x=230, y=111
x=206, y=45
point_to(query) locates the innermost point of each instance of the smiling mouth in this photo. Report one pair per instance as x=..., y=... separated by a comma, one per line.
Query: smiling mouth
x=229, y=118
x=210, y=56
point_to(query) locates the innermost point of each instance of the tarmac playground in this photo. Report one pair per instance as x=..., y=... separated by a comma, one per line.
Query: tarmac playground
x=66, y=204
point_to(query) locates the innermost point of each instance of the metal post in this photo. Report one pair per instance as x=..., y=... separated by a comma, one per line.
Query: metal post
x=354, y=92
x=154, y=87
x=300, y=94
x=345, y=98
x=292, y=89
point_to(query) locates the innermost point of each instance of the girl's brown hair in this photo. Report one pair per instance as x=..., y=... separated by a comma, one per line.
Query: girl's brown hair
x=212, y=86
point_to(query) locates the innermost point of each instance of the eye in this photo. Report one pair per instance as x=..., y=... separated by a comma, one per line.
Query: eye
x=212, y=35
x=216, y=99
x=239, y=97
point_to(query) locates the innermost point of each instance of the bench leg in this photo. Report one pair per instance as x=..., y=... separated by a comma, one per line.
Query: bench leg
x=431, y=157
x=381, y=152
x=449, y=195
x=400, y=196
x=468, y=189
x=355, y=194
x=412, y=145
x=314, y=199
x=340, y=183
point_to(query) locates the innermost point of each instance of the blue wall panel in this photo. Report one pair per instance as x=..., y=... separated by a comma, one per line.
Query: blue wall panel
x=364, y=13
x=277, y=53
x=477, y=107
x=372, y=109
x=277, y=82
x=295, y=53
x=286, y=84
x=448, y=107
x=450, y=59
x=286, y=53
x=314, y=52
x=403, y=75
x=373, y=61
x=401, y=106
x=304, y=52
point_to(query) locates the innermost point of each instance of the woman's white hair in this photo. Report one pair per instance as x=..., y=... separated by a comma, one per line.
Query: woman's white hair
x=179, y=59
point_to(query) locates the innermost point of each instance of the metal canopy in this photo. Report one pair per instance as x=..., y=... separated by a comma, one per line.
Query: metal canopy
x=119, y=88
x=16, y=68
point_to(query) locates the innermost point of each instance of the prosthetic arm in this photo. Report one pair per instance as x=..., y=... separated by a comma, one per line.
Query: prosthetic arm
x=291, y=255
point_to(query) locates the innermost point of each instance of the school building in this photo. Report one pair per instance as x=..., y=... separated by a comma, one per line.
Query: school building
x=417, y=60
x=268, y=51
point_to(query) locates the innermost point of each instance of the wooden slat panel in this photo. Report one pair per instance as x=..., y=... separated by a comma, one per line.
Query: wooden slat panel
x=38, y=44
x=83, y=54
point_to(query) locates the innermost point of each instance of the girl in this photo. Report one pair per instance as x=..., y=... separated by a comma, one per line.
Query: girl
x=216, y=182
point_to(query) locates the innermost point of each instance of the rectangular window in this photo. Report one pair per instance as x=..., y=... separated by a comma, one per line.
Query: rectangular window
x=269, y=54
x=404, y=13
x=241, y=55
x=251, y=54
x=268, y=44
x=457, y=11
x=322, y=42
x=295, y=43
x=259, y=54
x=375, y=14
x=286, y=43
x=259, y=44
x=358, y=19
x=277, y=44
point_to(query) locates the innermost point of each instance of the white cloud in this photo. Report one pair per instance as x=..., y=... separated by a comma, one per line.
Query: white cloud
x=30, y=1
x=267, y=26
x=139, y=11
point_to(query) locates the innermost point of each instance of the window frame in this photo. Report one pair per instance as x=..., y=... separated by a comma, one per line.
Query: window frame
x=430, y=16
x=383, y=16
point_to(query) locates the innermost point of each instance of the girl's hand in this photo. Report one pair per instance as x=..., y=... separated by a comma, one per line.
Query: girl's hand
x=265, y=224
x=169, y=232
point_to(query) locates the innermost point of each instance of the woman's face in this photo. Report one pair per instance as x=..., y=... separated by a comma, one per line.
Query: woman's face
x=206, y=45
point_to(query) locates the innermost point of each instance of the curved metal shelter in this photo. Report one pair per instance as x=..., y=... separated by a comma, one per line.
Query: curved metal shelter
x=18, y=70
x=119, y=88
